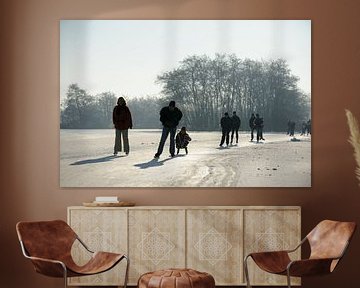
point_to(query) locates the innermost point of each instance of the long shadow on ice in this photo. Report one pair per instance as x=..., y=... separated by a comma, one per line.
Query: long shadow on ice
x=96, y=160
x=155, y=162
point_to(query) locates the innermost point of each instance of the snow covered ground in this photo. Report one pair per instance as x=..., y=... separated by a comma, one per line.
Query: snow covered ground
x=86, y=160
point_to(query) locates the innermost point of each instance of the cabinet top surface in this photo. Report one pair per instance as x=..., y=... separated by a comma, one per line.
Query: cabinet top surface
x=192, y=207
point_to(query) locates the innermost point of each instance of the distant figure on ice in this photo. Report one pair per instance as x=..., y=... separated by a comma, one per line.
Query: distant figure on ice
x=292, y=128
x=236, y=122
x=308, y=127
x=259, y=125
x=252, y=125
x=303, y=128
x=122, y=121
x=170, y=117
x=226, y=126
x=182, y=140
x=288, y=127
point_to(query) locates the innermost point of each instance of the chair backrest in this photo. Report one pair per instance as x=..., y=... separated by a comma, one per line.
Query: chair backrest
x=329, y=239
x=46, y=239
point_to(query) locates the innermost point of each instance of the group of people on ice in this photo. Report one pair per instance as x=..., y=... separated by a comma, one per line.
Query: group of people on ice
x=305, y=128
x=232, y=125
x=170, y=117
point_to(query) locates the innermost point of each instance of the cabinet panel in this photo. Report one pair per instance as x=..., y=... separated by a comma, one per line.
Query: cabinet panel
x=101, y=230
x=269, y=230
x=214, y=242
x=156, y=240
x=210, y=239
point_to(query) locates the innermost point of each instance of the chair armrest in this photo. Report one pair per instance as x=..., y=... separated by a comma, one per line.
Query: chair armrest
x=45, y=260
x=268, y=253
x=298, y=246
x=84, y=245
x=271, y=261
x=281, y=251
x=48, y=267
x=309, y=267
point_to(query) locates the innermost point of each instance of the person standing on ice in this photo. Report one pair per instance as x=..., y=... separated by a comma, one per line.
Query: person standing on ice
x=252, y=125
x=236, y=122
x=170, y=117
x=308, y=127
x=288, y=127
x=292, y=128
x=226, y=126
x=259, y=124
x=122, y=121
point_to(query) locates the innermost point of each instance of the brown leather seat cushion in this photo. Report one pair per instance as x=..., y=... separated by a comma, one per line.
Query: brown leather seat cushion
x=176, y=278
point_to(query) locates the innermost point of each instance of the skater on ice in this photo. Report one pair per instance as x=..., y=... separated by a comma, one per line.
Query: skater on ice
x=182, y=140
x=122, y=121
x=303, y=128
x=252, y=125
x=170, y=117
x=292, y=128
x=226, y=126
x=308, y=127
x=259, y=125
x=236, y=122
x=288, y=127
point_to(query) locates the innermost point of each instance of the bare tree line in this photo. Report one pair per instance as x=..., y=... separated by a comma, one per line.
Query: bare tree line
x=80, y=110
x=204, y=89
x=207, y=88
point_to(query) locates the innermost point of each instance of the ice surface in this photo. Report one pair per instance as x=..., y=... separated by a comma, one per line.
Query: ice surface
x=86, y=160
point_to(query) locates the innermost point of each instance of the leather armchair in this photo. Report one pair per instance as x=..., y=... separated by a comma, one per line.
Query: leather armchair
x=48, y=245
x=328, y=242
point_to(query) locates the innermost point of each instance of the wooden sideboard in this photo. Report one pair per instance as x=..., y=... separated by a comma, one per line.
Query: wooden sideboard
x=211, y=239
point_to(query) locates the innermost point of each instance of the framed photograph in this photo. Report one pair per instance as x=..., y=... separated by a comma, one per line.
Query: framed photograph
x=185, y=103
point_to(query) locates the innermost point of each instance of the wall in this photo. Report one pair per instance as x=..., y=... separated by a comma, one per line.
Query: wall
x=29, y=114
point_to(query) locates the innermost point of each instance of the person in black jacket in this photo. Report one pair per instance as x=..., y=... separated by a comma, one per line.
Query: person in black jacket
x=122, y=121
x=259, y=124
x=170, y=117
x=236, y=122
x=252, y=125
x=226, y=126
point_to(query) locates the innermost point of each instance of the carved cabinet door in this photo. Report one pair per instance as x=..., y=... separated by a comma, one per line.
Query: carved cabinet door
x=271, y=230
x=101, y=230
x=156, y=240
x=214, y=244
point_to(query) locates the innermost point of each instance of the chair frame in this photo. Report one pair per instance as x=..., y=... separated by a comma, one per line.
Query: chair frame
x=291, y=263
x=26, y=255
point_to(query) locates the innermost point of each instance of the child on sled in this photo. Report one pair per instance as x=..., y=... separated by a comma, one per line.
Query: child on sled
x=182, y=140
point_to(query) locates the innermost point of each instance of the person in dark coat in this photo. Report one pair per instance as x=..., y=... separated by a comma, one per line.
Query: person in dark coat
x=122, y=121
x=308, y=127
x=226, y=126
x=289, y=127
x=170, y=117
x=252, y=125
x=236, y=122
x=292, y=128
x=182, y=140
x=303, y=128
x=259, y=125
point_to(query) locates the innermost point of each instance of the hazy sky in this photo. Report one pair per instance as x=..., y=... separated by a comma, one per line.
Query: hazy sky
x=125, y=56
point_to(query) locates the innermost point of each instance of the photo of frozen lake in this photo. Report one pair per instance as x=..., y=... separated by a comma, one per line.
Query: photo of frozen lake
x=145, y=77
